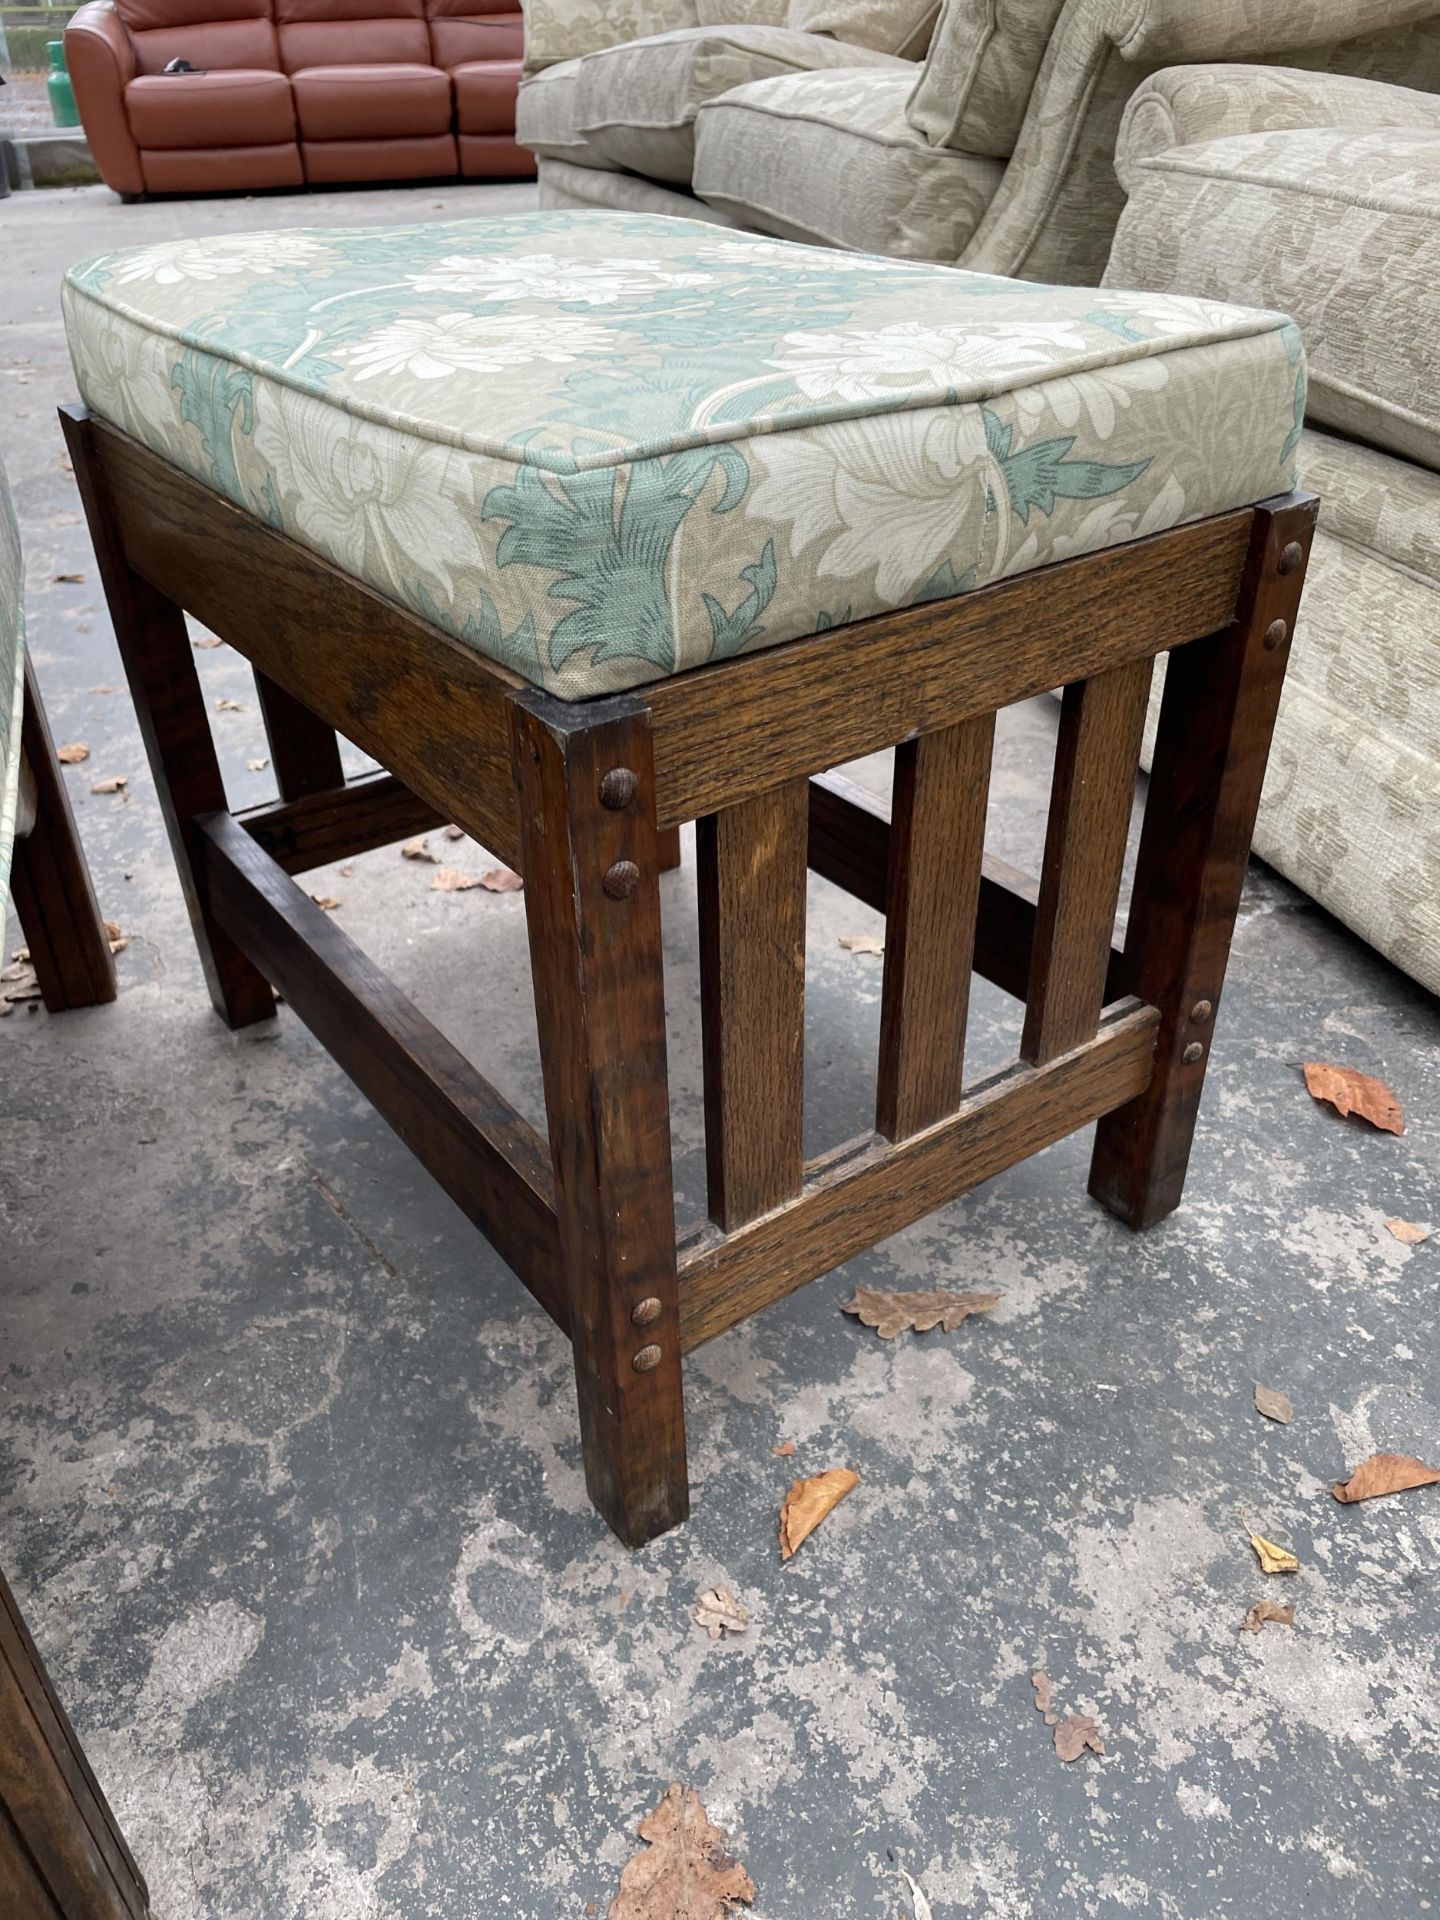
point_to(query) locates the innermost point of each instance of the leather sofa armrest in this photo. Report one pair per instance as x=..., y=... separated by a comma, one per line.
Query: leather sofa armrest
x=101, y=57
x=1181, y=106
x=557, y=30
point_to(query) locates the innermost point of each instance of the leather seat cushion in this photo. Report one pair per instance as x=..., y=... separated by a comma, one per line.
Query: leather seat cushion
x=460, y=32
x=236, y=109
x=485, y=95
x=371, y=103
x=455, y=413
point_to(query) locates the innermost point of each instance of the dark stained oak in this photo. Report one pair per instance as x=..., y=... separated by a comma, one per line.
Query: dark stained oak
x=592, y=901
x=50, y=881
x=490, y=1160
x=1216, y=720
x=160, y=667
x=865, y=1190
x=1097, y=757
x=373, y=810
x=304, y=752
x=937, y=846
x=61, y=1853
x=751, y=872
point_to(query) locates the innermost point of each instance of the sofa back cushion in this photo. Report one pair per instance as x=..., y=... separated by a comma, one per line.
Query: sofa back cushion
x=214, y=34
x=744, y=13
x=887, y=26
x=976, y=83
x=351, y=33
x=466, y=30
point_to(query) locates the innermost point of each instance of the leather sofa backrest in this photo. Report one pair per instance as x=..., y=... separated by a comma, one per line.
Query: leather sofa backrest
x=350, y=33
x=215, y=34
x=464, y=30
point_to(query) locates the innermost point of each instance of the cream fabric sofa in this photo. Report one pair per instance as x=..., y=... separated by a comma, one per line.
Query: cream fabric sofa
x=1321, y=196
x=983, y=133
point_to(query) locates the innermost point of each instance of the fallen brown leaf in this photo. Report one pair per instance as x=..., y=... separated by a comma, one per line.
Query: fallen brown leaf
x=18, y=981
x=109, y=687
x=1044, y=1696
x=326, y=901
x=1074, y=1734
x=204, y=644
x=228, y=706
x=453, y=832
x=684, y=1871
x=502, y=880
x=68, y=579
x=347, y=873
x=256, y=766
x=719, y=1612
x=1264, y=1610
x=452, y=880
x=1351, y=1092
x=1273, y=1405
x=418, y=849
x=861, y=943
x=117, y=938
x=1385, y=1473
x=1273, y=1559
x=807, y=1504
x=1407, y=1233
x=113, y=783
x=892, y=1313
x=72, y=753
x=784, y=1450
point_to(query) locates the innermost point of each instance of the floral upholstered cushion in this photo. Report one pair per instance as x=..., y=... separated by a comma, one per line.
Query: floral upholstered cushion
x=605, y=448
x=12, y=685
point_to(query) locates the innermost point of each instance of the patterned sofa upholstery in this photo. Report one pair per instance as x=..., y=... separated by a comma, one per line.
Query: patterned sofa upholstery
x=1321, y=196
x=984, y=136
x=12, y=684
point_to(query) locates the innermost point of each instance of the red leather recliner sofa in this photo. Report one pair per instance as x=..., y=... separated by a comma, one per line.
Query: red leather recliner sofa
x=290, y=93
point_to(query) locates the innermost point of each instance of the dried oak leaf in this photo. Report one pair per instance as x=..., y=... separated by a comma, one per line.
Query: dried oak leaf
x=1074, y=1734
x=1408, y=1233
x=684, y=1870
x=1044, y=1696
x=1273, y=1405
x=502, y=880
x=67, y=579
x=1266, y=1610
x=861, y=943
x=325, y=901
x=719, y=1612
x=112, y=783
x=784, y=1450
x=1385, y=1473
x=892, y=1313
x=118, y=939
x=497, y=880
x=1351, y=1092
x=72, y=753
x=419, y=849
x=206, y=642
x=1273, y=1559
x=228, y=706
x=807, y=1504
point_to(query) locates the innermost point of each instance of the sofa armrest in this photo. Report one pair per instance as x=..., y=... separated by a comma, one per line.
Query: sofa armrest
x=557, y=30
x=101, y=57
x=1159, y=31
x=1181, y=106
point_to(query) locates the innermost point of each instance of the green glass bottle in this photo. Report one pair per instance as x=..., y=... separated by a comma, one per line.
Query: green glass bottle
x=63, y=109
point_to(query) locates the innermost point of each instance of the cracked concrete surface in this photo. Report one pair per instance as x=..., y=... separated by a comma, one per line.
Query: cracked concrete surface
x=290, y=1487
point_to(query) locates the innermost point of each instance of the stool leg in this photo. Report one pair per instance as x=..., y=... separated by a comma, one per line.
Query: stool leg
x=586, y=792
x=54, y=896
x=1217, y=717
x=160, y=666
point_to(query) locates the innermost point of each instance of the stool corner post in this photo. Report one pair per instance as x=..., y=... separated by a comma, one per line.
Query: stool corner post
x=590, y=854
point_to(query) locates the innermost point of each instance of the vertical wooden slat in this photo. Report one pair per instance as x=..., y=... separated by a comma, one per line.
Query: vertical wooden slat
x=751, y=881
x=1216, y=722
x=937, y=843
x=1096, y=760
x=304, y=752
x=585, y=782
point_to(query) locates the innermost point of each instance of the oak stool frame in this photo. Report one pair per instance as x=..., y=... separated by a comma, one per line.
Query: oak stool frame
x=583, y=798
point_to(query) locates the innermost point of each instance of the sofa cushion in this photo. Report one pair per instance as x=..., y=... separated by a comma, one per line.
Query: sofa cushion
x=345, y=33
x=603, y=448
x=210, y=45
x=416, y=156
x=976, y=83
x=234, y=109
x=249, y=169
x=888, y=26
x=462, y=31
x=743, y=13
x=547, y=117
x=371, y=103
x=485, y=96
x=637, y=103
x=1340, y=228
x=831, y=157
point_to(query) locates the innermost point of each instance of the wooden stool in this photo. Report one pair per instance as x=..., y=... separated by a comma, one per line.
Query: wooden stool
x=865, y=412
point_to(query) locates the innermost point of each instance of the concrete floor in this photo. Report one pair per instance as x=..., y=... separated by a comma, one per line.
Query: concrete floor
x=289, y=1481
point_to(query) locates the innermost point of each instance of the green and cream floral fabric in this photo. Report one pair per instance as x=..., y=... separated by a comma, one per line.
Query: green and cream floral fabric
x=605, y=448
x=12, y=683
